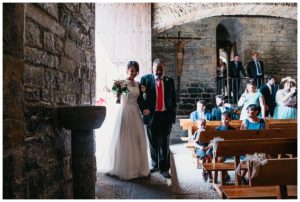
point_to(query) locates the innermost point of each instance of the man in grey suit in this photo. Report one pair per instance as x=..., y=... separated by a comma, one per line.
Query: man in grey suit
x=159, y=115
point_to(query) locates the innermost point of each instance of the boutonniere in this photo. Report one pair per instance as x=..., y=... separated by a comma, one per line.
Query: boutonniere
x=166, y=79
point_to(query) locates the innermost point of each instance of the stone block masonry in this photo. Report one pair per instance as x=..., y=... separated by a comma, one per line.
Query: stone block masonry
x=274, y=38
x=53, y=66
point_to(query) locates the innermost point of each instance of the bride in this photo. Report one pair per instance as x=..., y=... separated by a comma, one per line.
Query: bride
x=126, y=156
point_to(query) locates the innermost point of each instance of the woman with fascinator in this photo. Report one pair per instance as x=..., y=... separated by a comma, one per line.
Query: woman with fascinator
x=286, y=99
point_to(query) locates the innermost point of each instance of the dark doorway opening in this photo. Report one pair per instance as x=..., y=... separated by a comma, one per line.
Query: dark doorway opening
x=229, y=34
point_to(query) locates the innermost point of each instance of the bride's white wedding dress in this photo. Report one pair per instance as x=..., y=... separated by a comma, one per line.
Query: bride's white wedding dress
x=126, y=156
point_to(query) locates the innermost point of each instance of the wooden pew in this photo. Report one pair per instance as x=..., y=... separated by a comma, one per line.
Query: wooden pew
x=182, y=121
x=270, y=124
x=207, y=136
x=271, y=181
x=187, y=123
x=210, y=127
x=281, y=123
x=239, y=148
x=250, y=146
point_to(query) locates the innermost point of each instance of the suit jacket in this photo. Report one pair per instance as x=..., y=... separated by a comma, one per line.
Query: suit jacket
x=195, y=115
x=269, y=98
x=150, y=99
x=234, y=72
x=251, y=69
x=216, y=113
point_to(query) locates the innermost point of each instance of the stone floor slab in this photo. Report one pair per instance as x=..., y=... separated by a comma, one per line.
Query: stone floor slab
x=186, y=181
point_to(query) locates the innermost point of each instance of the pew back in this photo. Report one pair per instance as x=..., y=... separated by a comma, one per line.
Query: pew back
x=267, y=146
x=207, y=136
x=281, y=123
x=276, y=172
x=270, y=123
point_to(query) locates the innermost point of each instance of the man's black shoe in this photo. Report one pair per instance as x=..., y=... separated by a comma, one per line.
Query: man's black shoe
x=153, y=170
x=166, y=174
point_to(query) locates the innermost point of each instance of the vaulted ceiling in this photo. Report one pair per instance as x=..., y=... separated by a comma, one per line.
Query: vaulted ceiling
x=167, y=15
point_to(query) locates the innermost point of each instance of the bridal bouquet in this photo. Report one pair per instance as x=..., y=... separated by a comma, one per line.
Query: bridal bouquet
x=119, y=88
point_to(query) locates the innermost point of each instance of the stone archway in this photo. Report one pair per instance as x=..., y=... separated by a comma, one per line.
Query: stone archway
x=230, y=40
x=230, y=33
x=167, y=15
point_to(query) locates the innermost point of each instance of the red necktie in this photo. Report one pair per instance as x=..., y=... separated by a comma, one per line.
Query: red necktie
x=160, y=96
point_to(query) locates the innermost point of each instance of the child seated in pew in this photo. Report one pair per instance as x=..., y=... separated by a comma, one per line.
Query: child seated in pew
x=225, y=120
x=202, y=151
x=253, y=122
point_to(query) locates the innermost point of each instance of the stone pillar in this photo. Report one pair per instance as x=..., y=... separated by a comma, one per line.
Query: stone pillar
x=83, y=164
x=13, y=117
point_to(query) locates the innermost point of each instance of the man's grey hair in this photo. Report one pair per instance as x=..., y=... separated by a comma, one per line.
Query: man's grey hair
x=158, y=61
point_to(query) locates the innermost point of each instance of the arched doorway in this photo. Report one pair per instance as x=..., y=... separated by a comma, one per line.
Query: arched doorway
x=229, y=38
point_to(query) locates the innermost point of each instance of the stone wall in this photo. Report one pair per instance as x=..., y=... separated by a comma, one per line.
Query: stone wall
x=274, y=38
x=54, y=65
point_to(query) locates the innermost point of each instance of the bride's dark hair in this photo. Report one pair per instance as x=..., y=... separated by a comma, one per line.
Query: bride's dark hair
x=135, y=65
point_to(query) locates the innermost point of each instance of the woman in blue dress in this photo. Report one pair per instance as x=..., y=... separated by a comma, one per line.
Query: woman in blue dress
x=253, y=122
x=251, y=96
x=286, y=100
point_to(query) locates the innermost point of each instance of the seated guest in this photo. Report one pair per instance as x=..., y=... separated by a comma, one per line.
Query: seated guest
x=226, y=118
x=286, y=100
x=200, y=113
x=220, y=108
x=202, y=151
x=253, y=122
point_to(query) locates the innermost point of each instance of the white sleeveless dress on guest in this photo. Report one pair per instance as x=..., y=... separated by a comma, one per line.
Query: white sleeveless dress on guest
x=126, y=156
x=287, y=109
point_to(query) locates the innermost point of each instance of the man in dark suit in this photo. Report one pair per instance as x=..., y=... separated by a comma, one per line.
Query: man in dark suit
x=268, y=90
x=255, y=69
x=220, y=108
x=160, y=99
x=235, y=68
